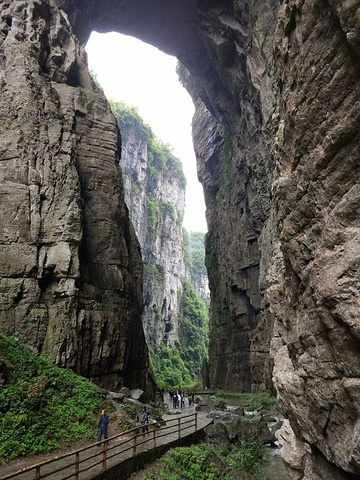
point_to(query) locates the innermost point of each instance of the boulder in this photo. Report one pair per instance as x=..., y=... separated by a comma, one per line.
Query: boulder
x=125, y=391
x=136, y=393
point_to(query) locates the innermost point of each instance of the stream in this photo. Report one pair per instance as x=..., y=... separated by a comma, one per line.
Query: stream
x=274, y=468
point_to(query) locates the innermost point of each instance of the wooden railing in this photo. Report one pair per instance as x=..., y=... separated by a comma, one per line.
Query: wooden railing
x=90, y=460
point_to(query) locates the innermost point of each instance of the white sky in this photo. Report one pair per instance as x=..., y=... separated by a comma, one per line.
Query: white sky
x=144, y=77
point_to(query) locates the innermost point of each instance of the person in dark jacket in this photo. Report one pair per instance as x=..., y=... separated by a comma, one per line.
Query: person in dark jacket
x=102, y=426
x=144, y=420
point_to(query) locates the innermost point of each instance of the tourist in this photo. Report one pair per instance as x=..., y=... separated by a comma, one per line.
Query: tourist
x=182, y=400
x=144, y=420
x=102, y=426
x=175, y=400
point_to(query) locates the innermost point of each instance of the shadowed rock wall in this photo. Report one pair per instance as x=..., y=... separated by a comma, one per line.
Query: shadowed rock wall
x=71, y=273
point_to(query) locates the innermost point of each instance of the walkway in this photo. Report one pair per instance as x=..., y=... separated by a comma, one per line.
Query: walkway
x=90, y=461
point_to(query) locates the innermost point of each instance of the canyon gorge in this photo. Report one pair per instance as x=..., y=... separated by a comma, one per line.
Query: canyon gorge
x=276, y=133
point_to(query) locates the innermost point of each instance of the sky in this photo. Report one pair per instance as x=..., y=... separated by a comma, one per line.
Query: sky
x=142, y=76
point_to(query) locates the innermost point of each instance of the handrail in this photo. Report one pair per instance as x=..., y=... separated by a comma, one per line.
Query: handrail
x=78, y=465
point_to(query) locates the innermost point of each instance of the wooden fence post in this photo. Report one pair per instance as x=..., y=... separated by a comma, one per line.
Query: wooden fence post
x=77, y=466
x=104, y=456
x=134, y=442
x=196, y=422
x=37, y=473
x=154, y=435
x=179, y=430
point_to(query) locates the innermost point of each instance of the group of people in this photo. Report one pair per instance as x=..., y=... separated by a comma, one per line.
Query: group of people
x=104, y=421
x=178, y=398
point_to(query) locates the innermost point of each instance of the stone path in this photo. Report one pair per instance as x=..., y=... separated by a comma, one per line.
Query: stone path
x=91, y=458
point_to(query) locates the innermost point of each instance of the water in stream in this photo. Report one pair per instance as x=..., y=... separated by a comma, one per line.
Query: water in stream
x=274, y=468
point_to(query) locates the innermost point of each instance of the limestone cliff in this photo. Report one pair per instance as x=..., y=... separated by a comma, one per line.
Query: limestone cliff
x=154, y=186
x=71, y=273
x=277, y=139
x=198, y=275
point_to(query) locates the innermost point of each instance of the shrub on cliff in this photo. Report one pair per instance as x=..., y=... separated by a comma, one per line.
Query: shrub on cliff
x=41, y=406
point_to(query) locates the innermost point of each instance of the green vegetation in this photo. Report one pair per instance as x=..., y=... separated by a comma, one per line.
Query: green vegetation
x=253, y=401
x=193, y=329
x=129, y=117
x=194, y=253
x=160, y=155
x=42, y=406
x=197, y=254
x=181, y=365
x=206, y=462
x=157, y=312
x=161, y=162
x=168, y=367
x=130, y=411
x=154, y=273
x=157, y=213
x=153, y=211
x=136, y=188
x=124, y=425
x=168, y=209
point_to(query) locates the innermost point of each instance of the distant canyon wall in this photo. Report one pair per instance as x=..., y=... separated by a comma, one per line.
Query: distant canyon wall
x=276, y=133
x=155, y=185
x=155, y=195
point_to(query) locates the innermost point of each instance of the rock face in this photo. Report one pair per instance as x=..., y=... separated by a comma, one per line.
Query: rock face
x=155, y=195
x=277, y=138
x=71, y=274
x=154, y=185
x=317, y=198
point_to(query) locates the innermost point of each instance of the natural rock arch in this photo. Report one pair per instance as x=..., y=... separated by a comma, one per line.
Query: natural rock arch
x=277, y=95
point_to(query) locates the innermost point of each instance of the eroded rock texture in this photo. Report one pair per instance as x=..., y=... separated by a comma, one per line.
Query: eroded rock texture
x=71, y=274
x=276, y=86
x=317, y=198
x=156, y=203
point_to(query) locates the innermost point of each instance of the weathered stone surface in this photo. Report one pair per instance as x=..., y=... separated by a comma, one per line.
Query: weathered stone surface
x=229, y=428
x=160, y=238
x=316, y=192
x=277, y=140
x=71, y=275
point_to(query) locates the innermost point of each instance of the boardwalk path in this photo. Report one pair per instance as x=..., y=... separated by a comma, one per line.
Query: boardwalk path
x=120, y=449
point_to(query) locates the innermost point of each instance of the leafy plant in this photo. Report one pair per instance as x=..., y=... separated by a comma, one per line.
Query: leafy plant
x=206, y=462
x=124, y=425
x=41, y=405
x=130, y=411
x=252, y=401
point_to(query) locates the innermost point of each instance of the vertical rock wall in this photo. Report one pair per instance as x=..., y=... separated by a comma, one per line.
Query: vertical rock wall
x=71, y=274
x=317, y=199
x=160, y=236
x=232, y=137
